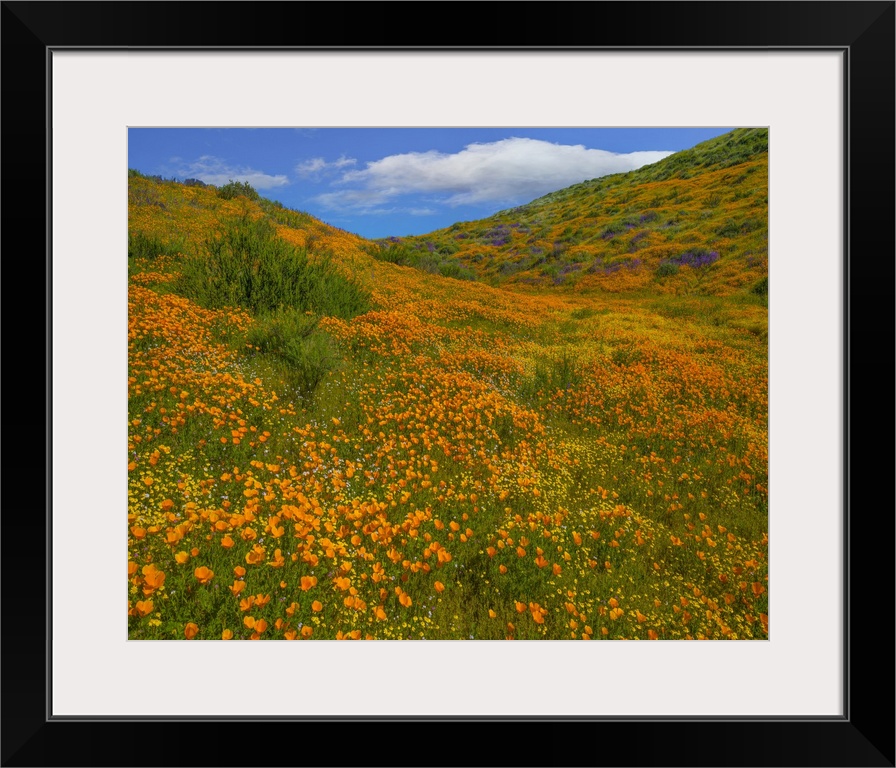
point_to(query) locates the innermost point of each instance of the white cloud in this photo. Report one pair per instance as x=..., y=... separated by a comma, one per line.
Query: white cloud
x=213, y=170
x=512, y=170
x=317, y=165
x=355, y=198
x=311, y=166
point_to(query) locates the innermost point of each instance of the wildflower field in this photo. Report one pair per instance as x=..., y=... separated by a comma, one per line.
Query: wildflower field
x=330, y=438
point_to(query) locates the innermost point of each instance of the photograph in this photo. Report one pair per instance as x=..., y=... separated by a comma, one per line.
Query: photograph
x=448, y=383
x=574, y=339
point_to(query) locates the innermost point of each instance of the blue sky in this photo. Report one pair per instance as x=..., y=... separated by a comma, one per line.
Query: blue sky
x=379, y=182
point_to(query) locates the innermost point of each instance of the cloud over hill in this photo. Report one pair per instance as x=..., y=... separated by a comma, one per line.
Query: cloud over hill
x=502, y=172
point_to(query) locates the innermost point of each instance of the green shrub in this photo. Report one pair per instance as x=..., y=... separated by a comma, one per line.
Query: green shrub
x=667, y=269
x=143, y=246
x=455, y=270
x=309, y=360
x=234, y=189
x=730, y=228
x=292, y=337
x=401, y=253
x=248, y=266
x=271, y=333
x=396, y=252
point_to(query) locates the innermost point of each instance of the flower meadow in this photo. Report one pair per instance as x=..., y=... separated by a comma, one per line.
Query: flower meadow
x=406, y=455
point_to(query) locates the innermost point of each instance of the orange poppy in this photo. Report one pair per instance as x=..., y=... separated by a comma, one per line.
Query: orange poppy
x=247, y=603
x=191, y=630
x=308, y=582
x=152, y=578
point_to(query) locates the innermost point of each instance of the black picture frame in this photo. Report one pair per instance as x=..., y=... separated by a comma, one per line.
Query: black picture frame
x=864, y=735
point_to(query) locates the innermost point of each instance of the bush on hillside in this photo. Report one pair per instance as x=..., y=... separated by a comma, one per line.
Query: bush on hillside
x=293, y=338
x=143, y=246
x=760, y=288
x=666, y=269
x=234, y=189
x=428, y=260
x=248, y=266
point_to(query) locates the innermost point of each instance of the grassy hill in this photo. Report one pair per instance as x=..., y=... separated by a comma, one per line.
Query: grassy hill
x=324, y=444
x=695, y=222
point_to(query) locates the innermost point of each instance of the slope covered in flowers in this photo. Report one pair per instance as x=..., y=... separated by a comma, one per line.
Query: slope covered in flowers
x=471, y=462
x=695, y=222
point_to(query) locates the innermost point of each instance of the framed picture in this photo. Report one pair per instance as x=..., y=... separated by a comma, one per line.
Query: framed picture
x=818, y=76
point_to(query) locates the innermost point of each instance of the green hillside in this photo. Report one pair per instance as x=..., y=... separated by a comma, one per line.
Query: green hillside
x=693, y=223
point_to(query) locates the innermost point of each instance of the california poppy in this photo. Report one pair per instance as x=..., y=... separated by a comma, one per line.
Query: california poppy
x=308, y=582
